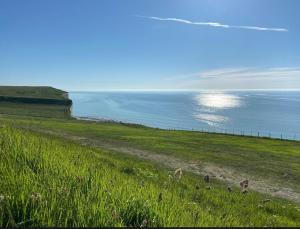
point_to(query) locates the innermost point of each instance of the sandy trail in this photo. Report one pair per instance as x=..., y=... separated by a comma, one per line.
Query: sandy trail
x=228, y=175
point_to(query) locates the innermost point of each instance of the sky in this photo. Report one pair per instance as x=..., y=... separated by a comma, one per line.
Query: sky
x=93, y=45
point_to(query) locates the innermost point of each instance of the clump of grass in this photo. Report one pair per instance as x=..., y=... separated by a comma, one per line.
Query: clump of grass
x=46, y=181
x=137, y=212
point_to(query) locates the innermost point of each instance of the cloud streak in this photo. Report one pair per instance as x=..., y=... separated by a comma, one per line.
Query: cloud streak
x=240, y=73
x=215, y=24
x=251, y=73
x=240, y=78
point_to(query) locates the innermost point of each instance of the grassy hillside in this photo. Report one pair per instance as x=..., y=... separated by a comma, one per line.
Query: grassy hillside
x=263, y=160
x=32, y=92
x=46, y=181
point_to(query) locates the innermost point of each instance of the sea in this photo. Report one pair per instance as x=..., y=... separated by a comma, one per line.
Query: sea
x=274, y=114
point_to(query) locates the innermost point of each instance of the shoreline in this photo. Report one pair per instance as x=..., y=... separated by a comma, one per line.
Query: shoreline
x=104, y=120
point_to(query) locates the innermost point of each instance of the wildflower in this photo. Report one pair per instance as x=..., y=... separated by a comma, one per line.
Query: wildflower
x=178, y=173
x=36, y=197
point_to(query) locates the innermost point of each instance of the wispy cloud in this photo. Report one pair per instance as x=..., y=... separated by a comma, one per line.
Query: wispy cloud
x=243, y=73
x=239, y=78
x=216, y=24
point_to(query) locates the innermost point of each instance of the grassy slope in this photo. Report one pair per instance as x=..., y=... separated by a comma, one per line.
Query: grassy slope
x=46, y=181
x=274, y=160
x=32, y=92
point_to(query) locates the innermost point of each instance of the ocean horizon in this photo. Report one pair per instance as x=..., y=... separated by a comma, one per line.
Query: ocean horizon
x=269, y=113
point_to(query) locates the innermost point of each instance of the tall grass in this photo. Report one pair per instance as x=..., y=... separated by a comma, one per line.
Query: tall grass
x=46, y=181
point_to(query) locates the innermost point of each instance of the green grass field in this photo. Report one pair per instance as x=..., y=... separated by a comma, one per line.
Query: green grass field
x=46, y=181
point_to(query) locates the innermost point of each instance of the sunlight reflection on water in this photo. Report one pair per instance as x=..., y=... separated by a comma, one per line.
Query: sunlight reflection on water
x=209, y=104
x=212, y=119
x=218, y=100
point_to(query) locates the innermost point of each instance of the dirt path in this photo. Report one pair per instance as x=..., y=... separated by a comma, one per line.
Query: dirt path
x=227, y=175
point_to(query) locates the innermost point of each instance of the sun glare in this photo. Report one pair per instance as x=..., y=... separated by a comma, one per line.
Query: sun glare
x=216, y=100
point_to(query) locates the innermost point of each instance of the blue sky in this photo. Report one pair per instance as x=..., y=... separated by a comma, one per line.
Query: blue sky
x=150, y=44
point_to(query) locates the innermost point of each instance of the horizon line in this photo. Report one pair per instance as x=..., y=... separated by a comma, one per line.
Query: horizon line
x=182, y=90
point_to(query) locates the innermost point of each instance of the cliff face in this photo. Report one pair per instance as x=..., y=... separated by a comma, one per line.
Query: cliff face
x=35, y=101
x=34, y=95
x=45, y=101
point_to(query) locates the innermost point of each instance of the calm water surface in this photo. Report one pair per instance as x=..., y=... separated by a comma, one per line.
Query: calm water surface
x=249, y=112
